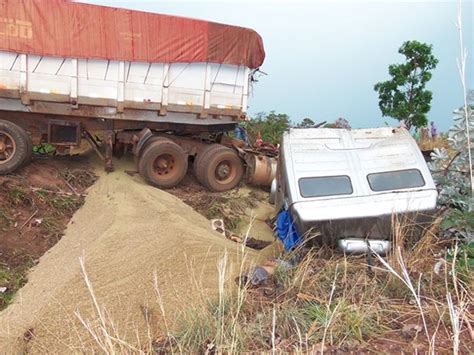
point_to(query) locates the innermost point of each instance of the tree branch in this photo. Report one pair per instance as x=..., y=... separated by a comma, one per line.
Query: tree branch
x=445, y=173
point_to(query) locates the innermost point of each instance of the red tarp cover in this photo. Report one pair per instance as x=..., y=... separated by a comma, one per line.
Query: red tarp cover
x=66, y=29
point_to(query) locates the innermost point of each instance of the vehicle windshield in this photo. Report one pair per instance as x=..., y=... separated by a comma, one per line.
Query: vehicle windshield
x=395, y=180
x=325, y=186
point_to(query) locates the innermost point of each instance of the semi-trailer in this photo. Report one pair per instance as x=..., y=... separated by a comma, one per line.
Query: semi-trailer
x=168, y=88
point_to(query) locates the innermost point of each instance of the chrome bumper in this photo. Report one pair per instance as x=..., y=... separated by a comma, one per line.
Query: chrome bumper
x=361, y=246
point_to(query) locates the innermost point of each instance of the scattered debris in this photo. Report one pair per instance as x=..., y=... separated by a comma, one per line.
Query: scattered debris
x=28, y=335
x=71, y=188
x=131, y=172
x=256, y=244
x=210, y=348
x=265, y=148
x=218, y=226
x=3, y=289
x=36, y=222
x=411, y=330
x=236, y=238
x=437, y=267
x=58, y=192
x=29, y=219
x=259, y=275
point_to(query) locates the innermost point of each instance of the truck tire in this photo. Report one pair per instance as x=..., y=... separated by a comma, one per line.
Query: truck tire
x=29, y=152
x=145, y=146
x=218, y=168
x=163, y=163
x=15, y=147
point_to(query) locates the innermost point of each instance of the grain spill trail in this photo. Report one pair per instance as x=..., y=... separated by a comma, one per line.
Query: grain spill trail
x=127, y=231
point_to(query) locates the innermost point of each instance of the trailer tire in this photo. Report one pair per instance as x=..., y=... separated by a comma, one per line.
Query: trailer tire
x=218, y=168
x=163, y=163
x=29, y=152
x=15, y=147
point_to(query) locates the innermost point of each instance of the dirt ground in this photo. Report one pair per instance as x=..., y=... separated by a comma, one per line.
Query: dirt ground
x=127, y=232
x=245, y=210
x=25, y=206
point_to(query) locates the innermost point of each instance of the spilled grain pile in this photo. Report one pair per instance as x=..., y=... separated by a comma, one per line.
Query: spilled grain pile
x=127, y=232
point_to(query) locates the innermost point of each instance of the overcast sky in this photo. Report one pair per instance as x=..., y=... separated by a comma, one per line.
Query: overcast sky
x=323, y=57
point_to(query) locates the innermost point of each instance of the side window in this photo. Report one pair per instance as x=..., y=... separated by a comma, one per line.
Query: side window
x=395, y=180
x=325, y=186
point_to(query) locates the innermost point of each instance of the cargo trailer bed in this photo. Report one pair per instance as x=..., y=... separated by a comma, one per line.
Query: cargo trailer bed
x=123, y=90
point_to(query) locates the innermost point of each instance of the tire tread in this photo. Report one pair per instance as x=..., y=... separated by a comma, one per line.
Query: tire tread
x=200, y=164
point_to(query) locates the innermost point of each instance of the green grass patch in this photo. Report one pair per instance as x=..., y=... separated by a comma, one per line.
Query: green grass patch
x=19, y=197
x=60, y=204
x=13, y=280
x=5, y=219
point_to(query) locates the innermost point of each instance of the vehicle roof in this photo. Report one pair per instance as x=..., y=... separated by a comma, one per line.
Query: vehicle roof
x=315, y=152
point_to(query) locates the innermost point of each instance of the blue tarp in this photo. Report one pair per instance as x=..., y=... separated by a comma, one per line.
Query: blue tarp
x=286, y=230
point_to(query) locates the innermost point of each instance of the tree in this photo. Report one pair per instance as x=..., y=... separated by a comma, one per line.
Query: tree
x=270, y=125
x=306, y=123
x=450, y=169
x=404, y=97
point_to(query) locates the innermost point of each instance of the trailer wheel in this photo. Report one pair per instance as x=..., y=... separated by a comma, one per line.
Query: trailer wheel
x=163, y=163
x=218, y=168
x=15, y=147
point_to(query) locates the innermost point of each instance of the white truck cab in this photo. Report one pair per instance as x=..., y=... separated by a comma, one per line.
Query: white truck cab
x=347, y=184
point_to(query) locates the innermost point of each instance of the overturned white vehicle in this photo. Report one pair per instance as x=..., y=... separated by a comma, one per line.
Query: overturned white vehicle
x=348, y=185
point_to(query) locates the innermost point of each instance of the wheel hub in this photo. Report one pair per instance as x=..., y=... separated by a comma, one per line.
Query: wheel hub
x=223, y=171
x=7, y=147
x=164, y=164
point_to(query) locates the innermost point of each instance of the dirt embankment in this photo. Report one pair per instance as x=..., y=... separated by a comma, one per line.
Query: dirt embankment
x=126, y=232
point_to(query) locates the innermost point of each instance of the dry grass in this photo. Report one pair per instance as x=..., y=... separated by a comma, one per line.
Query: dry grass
x=430, y=143
x=328, y=301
